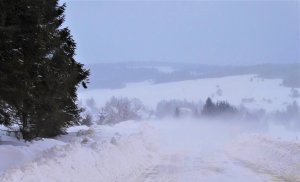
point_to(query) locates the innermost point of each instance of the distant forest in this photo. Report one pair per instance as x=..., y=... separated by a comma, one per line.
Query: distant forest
x=116, y=75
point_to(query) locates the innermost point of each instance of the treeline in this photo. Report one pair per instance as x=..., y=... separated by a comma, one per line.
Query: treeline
x=122, y=109
x=183, y=108
x=119, y=109
x=38, y=73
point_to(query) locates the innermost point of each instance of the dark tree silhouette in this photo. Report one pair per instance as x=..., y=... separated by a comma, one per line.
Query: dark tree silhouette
x=220, y=108
x=209, y=107
x=38, y=74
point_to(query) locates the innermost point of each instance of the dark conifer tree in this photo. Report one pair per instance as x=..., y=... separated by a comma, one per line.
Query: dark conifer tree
x=209, y=107
x=221, y=108
x=38, y=74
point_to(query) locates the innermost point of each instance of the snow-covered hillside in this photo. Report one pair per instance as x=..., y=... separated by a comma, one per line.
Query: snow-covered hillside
x=249, y=90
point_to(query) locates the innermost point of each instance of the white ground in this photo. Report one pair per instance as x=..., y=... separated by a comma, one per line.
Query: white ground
x=145, y=151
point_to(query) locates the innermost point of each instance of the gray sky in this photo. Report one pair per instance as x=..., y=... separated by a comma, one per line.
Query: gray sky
x=207, y=32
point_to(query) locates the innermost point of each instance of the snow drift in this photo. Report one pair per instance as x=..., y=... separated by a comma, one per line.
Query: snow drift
x=115, y=158
x=265, y=154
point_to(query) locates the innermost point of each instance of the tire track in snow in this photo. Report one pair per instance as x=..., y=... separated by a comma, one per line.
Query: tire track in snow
x=179, y=168
x=168, y=169
x=189, y=168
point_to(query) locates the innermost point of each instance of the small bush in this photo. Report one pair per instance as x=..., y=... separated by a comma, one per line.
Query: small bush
x=87, y=120
x=121, y=109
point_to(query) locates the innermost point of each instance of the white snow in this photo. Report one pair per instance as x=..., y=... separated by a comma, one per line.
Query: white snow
x=280, y=158
x=172, y=150
x=165, y=69
x=266, y=93
x=161, y=69
x=14, y=153
x=106, y=154
x=166, y=150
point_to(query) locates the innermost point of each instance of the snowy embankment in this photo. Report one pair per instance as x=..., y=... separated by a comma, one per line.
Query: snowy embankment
x=264, y=154
x=14, y=153
x=97, y=154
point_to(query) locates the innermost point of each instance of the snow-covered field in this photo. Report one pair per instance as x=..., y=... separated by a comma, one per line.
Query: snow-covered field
x=249, y=90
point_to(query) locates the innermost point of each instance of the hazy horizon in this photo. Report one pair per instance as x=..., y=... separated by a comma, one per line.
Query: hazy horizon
x=194, y=63
x=213, y=33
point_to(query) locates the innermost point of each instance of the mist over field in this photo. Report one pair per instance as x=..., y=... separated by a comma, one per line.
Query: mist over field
x=251, y=127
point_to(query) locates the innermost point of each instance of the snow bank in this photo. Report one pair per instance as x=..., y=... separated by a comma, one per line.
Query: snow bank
x=15, y=153
x=277, y=157
x=90, y=160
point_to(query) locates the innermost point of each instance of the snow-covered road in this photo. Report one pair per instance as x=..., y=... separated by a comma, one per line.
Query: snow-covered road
x=184, y=168
x=159, y=151
x=228, y=152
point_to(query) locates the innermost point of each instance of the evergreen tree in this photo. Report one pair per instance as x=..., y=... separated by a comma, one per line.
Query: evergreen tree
x=223, y=107
x=209, y=107
x=217, y=109
x=38, y=74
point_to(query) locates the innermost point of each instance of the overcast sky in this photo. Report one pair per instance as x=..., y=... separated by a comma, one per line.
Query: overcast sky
x=207, y=32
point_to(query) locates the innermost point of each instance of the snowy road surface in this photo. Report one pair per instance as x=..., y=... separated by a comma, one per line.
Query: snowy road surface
x=182, y=168
x=205, y=153
x=158, y=151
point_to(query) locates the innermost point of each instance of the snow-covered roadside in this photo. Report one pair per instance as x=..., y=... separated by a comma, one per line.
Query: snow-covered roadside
x=101, y=153
x=182, y=150
x=264, y=154
x=14, y=153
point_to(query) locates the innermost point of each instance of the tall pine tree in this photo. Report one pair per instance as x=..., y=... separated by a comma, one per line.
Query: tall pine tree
x=38, y=74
